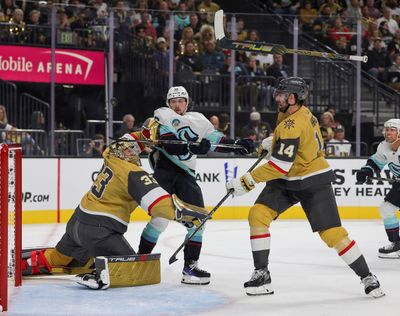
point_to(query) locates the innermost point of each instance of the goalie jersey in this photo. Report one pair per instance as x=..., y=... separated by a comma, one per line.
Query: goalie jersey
x=386, y=156
x=191, y=126
x=118, y=189
x=297, y=159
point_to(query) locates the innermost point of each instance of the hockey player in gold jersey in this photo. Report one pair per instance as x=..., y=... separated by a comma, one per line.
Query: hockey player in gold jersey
x=296, y=172
x=97, y=226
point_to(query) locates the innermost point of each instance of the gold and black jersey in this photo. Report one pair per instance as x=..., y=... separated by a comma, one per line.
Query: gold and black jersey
x=118, y=189
x=297, y=159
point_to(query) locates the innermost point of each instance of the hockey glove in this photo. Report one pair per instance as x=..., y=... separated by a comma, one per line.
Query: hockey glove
x=363, y=174
x=265, y=146
x=241, y=185
x=188, y=215
x=201, y=148
x=248, y=146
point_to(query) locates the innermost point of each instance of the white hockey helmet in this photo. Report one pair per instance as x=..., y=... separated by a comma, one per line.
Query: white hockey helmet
x=177, y=92
x=392, y=123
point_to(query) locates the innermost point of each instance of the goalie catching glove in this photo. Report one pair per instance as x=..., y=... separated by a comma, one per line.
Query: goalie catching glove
x=242, y=185
x=265, y=146
x=188, y=215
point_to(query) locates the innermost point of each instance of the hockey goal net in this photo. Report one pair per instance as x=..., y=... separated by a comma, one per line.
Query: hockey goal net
x=10, y=219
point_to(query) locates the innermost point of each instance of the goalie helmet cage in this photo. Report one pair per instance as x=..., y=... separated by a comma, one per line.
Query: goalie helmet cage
x=10, y=219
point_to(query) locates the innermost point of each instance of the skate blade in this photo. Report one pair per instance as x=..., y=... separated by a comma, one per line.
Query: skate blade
x=260, y=290
x=393, y=255
x=377, y=293
x=192, y=280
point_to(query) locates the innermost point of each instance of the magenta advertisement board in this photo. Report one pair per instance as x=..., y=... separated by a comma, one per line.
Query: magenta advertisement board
x=32, y=64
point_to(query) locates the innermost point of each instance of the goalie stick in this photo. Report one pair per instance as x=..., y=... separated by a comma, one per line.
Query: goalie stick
x=173, y=257
x=268, y=48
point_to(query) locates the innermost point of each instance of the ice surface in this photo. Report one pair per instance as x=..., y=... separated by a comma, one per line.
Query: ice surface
x=308, y=278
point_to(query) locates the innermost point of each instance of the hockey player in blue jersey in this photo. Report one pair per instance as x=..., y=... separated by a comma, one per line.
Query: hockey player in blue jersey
x=388, y=153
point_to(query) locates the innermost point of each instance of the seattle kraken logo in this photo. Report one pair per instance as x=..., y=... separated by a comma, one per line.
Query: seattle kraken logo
x=230, y=174
x=186, y=133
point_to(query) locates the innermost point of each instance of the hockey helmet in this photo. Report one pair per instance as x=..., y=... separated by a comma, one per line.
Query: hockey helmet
x=295, y=85
x=122, y=149
x=177, y=92
x=392, y=123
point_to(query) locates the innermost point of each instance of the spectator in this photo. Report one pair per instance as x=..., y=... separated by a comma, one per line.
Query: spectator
x=195, y=25
x=373, y=12
x=146, y=21
x=161, y=64
x=325, y=123
x=394, y=45
x=128, y=125
x=338, y=146
x=377, y=60
x=241, y=32
x=214, y=120
x=338, y=36
x=278, y=69
x=393, y=74
x=161, y=17
x=187, y=36
x=38, y=121
x=8, y=7
x=96, y=146
x=141, y=43
x=332, y=110
x=62, y=20
x=334, y=7
x=206, y=35
x=354, y=13
x=3, y=118
x=385, y=35
x=210, y=8
x=211, y=59
x=191, y=58
x=182, y=18
x=307, y=16
x=262, y=129
x=224, y=123
x=393, y=26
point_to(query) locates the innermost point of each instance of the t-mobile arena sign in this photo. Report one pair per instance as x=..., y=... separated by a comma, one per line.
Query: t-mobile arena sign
x=32, y=64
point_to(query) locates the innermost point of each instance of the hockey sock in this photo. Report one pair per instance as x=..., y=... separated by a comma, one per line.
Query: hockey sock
x=392, y=228
x=193, y=247
x=260, y=239
x=350, y=253
x=148, y=239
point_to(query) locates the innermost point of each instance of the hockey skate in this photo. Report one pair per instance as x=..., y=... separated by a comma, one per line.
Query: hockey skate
x=391, y=251
x=192, y=274
x=372, y=286
x=99, y=279
x=259, y=284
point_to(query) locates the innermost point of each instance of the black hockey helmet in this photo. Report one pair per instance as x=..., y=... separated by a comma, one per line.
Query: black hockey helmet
x=295, y=85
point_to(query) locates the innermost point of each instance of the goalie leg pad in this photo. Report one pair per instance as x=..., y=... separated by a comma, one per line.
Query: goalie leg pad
x=134, y=270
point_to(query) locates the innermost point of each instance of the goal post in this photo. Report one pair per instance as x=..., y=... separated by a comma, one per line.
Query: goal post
x=10, y=219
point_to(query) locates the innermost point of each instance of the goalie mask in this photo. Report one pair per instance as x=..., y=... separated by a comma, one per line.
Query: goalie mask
x=295, y=85
x=178, y=92
x=395, y=124
x=125, y=150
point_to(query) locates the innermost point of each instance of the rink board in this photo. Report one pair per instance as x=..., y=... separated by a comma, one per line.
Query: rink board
x=52, y=188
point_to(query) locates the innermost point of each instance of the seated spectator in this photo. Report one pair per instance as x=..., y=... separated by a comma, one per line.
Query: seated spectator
x=161, y=64
x=38, y=121
x=17, y=26
x=338, y=146
x=285, y=7
x=141, y=43
x=261, y=129
x=161, y=17
x=325, y=123
x=332, y=110
x=241, y=32
x=334, y=7
x=307, y=16
x=384, y=33
x=224, y=123
x=210, y=8
x=212, y=59
x=393, y=73
x=187, y=36
x=354, y=13
x=393, y=26
x=338, y=37
x=182, y=18
x=190, y=58
x=394, y=45
x=206, y=35
x=8, y=7
x=128, y=125
x=3, y=118
x=373, y=11
x=96, y=146
x=377, y=60
x=278, y=69
x=195, y=25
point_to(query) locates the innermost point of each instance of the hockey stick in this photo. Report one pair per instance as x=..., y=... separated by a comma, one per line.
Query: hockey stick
x=268, y=48
x=173, y=257
x=384, y=179
x=178, y=142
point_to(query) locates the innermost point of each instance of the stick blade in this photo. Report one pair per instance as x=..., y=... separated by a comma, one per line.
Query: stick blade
x=172, y=259
x=219, y=25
